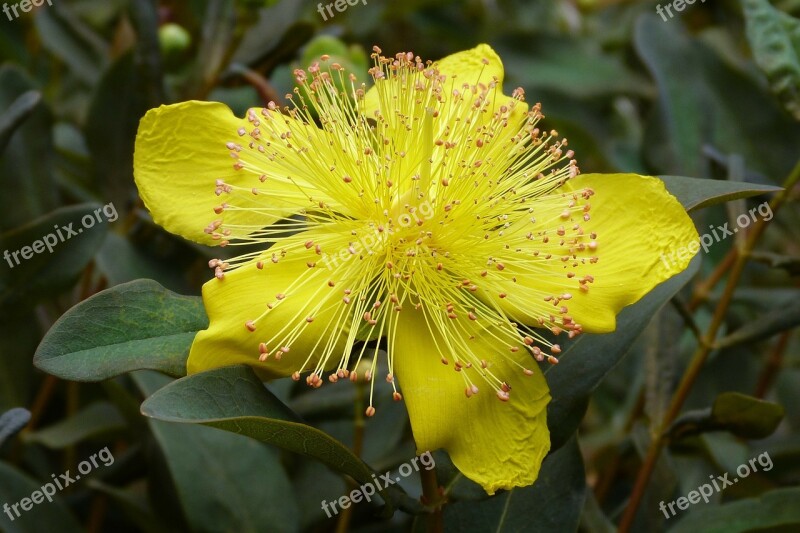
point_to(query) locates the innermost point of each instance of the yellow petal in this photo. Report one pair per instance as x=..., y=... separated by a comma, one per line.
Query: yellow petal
x=296, y=293
x=478, y=66
x=499, y=445
x=180, y=152
x=644, y=237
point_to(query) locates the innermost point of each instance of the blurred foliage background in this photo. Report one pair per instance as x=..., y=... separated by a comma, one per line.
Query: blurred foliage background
x=713, y=92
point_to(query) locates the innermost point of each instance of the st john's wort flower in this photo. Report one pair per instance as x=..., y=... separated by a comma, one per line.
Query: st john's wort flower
x=429, y=211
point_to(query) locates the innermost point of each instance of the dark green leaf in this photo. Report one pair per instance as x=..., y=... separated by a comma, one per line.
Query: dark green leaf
x=775, y=39
x=47, y=516
x=744, y=416
x=121, y=261
x=591, y=73
x=129, y=327
x=134, y=504
x=48, y=269
x=145, y=19
x=661, y=338
x=66, y=37
x=775, y=509
x=552, y=503
x=18, y=341
x=16, y=114
x=12, y=422
x=119, y=102
x=219, y=27
x=584, y=365
x=765, y=326
x=27, y=160
x=703, y=100
x=97, y=420
x=241, y=485
x=694, y=193
x=790, y=264
x=234, y=399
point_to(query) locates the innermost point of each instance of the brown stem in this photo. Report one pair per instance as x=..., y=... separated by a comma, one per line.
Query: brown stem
x=97, y=514
x=773, y=366
x=433, y=498
x=359, y=425
x=703, y=289
x=701, y=354
x=40, y=402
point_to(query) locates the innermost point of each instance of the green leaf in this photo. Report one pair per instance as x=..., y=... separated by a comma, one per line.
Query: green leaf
x=694, y=193
x=703, y=100
x=26, y=163
x=133, y=326
x=591, y=73
x=48, y=269
x=775, y=40
x=764, y=327
x=18, y=341
x=134, y=504
x=16, y=114
x=552, y=503
x=235, y=400
x=121, y=262
x=775, y=509
x=585, y=363
x=224, y=481
x=66, y=37
x=118, y=103
x=12, y=422
x=47, y=516
x=97, y=420
x=790, y=264
x=219, y=27
x=744, y=416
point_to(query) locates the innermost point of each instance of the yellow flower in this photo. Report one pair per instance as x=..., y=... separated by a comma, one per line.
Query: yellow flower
x=429, y=211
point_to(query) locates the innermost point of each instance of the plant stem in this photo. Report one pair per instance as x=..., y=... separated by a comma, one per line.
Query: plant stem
x=343, y=524
x=773, y=366
x=433, y=498
x=701, y=354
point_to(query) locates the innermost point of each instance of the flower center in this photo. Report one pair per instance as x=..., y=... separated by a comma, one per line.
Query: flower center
x=442, y=200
